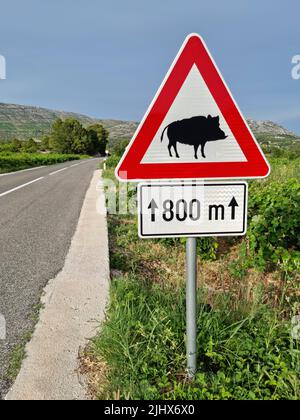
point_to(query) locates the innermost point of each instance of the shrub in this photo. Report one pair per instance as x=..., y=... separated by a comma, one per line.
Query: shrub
x=274, y=220
x=16, y=161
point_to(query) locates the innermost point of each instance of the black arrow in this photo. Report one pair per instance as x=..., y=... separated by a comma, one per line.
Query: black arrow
x=233, y=204
x=153, y=206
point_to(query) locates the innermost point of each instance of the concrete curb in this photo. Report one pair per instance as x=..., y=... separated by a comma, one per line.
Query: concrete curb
x=75, y=303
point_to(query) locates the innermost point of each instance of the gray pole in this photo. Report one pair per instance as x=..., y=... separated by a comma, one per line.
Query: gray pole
x=191, y=306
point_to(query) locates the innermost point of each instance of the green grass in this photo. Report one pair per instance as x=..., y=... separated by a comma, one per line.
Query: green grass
x=245, y=349
x=18, y=353
x=284, y=169
x=248, y=293
x=10, y=162
x=16, y=358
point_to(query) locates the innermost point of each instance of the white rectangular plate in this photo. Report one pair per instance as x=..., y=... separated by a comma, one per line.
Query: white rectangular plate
x=175, y=209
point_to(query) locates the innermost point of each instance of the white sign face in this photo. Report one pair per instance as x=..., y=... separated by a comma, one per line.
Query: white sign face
x=176, y=209
x=194, y=98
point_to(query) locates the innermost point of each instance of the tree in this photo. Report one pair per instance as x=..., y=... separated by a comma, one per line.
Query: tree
x=119, y=147
x=82, y=143
x=30, y=146
x=99, y=138
x=70, y=136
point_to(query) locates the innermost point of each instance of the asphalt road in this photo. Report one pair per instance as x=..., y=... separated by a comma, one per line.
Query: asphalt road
x=39, y=211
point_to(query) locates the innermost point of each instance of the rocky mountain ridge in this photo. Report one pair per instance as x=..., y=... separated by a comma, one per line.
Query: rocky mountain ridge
x=24, y=121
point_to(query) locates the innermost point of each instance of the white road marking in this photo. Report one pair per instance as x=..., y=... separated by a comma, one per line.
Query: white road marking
x=23, y=170
x=71, y=166
x=85, y=161
x=21, y=186
x=42, y=177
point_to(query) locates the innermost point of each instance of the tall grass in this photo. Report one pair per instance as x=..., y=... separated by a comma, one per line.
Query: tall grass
x=245, y=346
x=239, y=357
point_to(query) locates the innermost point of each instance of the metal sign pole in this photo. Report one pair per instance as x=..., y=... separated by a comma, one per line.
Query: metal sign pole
x=191, y=306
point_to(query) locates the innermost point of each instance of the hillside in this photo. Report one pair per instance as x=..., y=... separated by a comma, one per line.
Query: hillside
x=269, y=133
x=27, y=121
x=269, y=127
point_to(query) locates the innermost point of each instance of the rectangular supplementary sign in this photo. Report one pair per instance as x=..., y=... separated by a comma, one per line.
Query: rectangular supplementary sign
x=175, y=209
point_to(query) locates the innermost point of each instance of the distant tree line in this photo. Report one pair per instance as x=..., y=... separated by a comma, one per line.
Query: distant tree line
x=70, y=136
x=67, y=136
x=118, y=146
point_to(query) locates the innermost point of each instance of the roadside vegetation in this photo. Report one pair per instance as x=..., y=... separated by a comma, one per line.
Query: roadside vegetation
x=68, y=140
x=18, y=161
x=248, y=298
x=279, y=144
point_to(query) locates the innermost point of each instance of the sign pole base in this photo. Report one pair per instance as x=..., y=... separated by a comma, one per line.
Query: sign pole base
x=191, y=306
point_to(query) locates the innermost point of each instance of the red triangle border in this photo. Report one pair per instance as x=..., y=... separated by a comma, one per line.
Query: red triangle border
x=193, y=51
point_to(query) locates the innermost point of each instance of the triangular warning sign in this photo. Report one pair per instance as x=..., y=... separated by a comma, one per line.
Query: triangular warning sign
x=193, y=128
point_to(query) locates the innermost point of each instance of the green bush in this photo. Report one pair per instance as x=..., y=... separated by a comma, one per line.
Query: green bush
x=112, y=161
x=30, y=146
x=274, y=220
x=70, y=136
x=16, y=161
x=117, y=147
x=6, y=148
x=144, y=346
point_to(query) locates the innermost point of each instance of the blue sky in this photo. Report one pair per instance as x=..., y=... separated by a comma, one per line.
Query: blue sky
x=107, y=58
